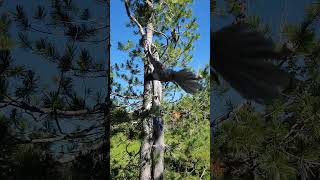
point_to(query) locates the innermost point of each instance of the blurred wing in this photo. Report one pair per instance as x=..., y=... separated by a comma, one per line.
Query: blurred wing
x=259, y=81
x=239, y=55
x=244, y=42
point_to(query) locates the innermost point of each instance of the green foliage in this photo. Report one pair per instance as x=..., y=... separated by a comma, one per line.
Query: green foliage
x=28, y=87
x=33, y=164
x=283, y=141
x=6, y=42
x=124, y=157
x=84, y=61
x=264, y=146
x=35, y=103
x=187, y=147
x=87, y=166
x=168, y=16
x=125, y=47
x=187, y=137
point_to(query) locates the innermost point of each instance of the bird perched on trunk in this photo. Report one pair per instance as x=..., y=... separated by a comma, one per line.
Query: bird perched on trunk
x=186, y=79
x=239, y=54
x=175, y=37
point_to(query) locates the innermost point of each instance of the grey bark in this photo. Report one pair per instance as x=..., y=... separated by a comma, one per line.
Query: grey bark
x=158, y=132
x=158, y=149
x=152, y=149
x=152, y=95
x=146, y=147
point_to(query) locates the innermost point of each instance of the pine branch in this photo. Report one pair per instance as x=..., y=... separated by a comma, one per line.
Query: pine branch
x=36, y=109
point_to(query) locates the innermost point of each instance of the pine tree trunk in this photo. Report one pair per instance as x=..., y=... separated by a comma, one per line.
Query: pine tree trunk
x=145, y=154
x=151, y=159
x=158, y=131
x=158, y=151
x=146, y=147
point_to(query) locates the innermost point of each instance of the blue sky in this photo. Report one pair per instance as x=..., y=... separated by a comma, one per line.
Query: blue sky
x=44, y=69
x=119, y=32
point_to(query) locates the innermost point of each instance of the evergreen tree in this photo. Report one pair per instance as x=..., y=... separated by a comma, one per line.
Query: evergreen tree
x=52, y=117
x=169, y=30
x=281, y=142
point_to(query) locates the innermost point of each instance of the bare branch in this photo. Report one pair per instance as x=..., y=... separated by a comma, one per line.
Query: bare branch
x=132, y=18
x=167, y=39
x=35, y=109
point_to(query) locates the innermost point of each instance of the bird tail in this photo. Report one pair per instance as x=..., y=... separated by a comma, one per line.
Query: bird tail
x=187, y=80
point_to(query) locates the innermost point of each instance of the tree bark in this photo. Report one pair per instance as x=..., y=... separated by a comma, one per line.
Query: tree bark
x=158, y=132
x=152, y=149
x=151, y=159
x=158, y=149
x=145, y=154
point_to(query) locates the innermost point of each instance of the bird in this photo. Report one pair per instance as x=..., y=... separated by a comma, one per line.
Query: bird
x=184, y=78
x=175, y=37
x=240, y=54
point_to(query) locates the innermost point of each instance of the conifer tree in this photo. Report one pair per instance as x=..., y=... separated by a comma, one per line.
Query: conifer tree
x=52, y=120
x=281, y=142
x=169, y=30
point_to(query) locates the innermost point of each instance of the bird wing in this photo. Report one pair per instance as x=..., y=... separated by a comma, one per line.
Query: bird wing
x=157, y=65
x=239, y=55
